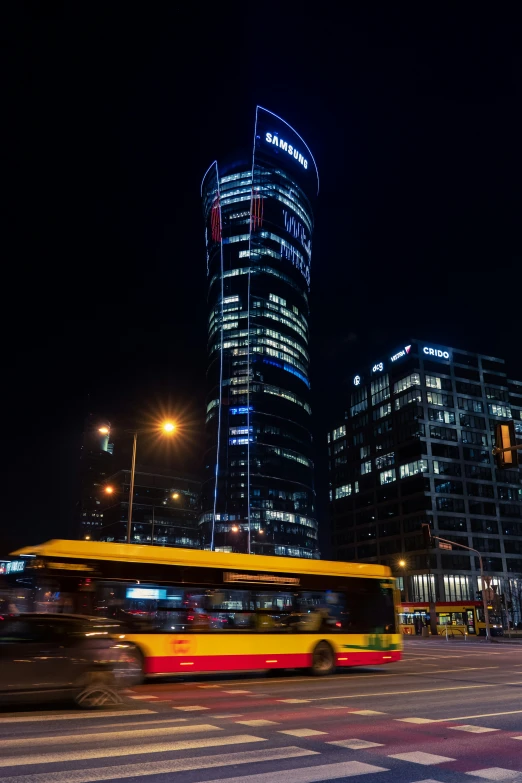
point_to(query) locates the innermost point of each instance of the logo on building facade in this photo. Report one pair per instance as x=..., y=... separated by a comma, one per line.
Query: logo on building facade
x=379, y=367
x=273, y=138
x=357, y=380
x=405, y=351
x=436, y=352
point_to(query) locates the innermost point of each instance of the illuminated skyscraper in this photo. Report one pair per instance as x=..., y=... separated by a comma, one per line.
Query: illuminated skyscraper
x=258, y=495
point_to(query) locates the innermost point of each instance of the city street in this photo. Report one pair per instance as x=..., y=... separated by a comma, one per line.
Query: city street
x=450, y=711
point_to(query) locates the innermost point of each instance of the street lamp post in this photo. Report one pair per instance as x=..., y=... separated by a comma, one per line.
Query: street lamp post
x=131, y=488
x=168, y=427
x=402, y=564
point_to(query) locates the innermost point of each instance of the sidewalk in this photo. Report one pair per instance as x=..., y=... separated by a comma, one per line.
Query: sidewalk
x=465, y=639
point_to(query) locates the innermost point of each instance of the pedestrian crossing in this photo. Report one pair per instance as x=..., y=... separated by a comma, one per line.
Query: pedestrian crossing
x=188, y=750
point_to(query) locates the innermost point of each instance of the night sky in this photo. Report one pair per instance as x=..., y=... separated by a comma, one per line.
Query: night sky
x=113, y=112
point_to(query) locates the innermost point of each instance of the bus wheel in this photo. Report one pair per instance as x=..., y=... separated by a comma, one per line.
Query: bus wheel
x=323, y=659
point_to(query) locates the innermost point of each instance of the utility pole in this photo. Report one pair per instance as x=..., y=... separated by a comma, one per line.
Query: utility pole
x=484, y=598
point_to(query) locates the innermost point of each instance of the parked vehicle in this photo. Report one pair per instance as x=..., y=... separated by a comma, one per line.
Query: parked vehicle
x=44, y=657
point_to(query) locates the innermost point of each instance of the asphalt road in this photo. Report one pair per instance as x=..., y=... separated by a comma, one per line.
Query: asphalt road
x=450, y=711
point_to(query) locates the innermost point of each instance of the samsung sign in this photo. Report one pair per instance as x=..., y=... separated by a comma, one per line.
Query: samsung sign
x=436, y=352
x=273, y=138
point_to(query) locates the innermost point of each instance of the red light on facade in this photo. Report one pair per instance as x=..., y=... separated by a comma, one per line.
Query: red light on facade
x=256, y=213
x=215, y=220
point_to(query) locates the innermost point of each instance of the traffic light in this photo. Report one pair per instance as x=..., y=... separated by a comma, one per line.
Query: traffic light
x=504, y=439
x=426, y=534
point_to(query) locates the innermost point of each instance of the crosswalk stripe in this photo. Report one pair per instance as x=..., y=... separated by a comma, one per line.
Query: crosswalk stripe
x=96, y=774
x=419, y=757
x=346, y=769
x=101, y=753
x=75, y=716
x=472, y=729
x=111, y=736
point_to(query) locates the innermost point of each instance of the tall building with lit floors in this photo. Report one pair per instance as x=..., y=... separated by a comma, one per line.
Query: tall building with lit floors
x=258, y=495
x=414, y=447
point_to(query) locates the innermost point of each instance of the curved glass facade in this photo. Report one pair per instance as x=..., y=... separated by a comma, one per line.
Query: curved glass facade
x=258, y=495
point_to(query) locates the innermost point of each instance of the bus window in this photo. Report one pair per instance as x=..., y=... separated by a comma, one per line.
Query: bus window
x=231, y=609
x=274, y=611
x=322, y=611
x=470, y=620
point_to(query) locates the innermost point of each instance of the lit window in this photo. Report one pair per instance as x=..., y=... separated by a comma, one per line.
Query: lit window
x=413, y=468
x=340, y=432
x=385, y=460
x=433, y=382
x=405, y=383
x=366, y=467
x=343, y=492
x=387, y=476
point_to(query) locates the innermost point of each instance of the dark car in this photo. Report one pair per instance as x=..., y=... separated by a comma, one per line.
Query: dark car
x=45, y=656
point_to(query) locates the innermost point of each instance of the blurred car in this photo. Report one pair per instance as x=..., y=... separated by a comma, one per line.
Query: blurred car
x=48, y=656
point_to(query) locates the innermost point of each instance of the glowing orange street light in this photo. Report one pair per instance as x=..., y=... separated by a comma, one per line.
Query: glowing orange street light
x=261, y=532
x=103, y=430
x=234, y=528
x=168, y=428
x=109, y=490
x=175, y=496
x=402, y=563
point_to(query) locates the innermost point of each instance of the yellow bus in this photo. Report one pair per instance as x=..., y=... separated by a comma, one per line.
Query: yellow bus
x=454, y=618
x=198, y=611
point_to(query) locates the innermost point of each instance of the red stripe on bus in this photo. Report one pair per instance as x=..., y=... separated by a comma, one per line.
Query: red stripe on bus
x=220, y=663
x=366, y=658
x=173, y=664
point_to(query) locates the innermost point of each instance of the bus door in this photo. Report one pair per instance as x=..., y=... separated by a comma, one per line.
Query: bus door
x=470, y=613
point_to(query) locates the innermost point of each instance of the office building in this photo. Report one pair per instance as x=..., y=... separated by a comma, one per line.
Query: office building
x=258, y=493
x=414, y=447
x=165, y=509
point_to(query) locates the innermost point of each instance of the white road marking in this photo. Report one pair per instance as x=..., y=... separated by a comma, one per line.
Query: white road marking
x=192, y=708
x=381, y=694
x=228, y=715
x=347, y=769
x=237, y=692
x=333, y=707
x=418, y=757
x=75, y=716
x=111, y=736
x=101, y=753
x=258, y=722
x=414, y=720
x=494, y=773
x=210, y=686
x=96, y=774
x=472, y=729
x=366, y=712
x=144, y=697
x=294, y=701
x=356, y=744
x=483, y=715
x=302, y=732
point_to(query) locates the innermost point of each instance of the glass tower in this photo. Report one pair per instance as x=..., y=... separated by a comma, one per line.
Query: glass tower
x=258, y=496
